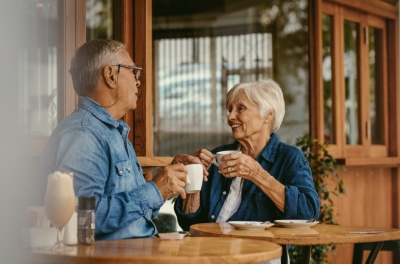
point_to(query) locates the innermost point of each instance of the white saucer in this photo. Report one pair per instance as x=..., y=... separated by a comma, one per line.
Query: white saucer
x=296, y=223
x=250, y=225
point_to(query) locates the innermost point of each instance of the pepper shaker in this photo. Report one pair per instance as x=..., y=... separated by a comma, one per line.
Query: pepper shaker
x=86, y=220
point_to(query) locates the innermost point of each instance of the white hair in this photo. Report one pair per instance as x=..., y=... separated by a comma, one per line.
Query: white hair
x=266, y=94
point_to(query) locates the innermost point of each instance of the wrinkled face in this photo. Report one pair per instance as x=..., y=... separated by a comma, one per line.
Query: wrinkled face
x=244, y=118
x=127, y=84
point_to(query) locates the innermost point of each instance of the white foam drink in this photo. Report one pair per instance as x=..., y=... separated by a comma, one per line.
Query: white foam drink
x=60, y=198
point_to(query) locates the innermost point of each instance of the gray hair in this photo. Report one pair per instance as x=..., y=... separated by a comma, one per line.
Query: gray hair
x=89, y=61
x=266, y=94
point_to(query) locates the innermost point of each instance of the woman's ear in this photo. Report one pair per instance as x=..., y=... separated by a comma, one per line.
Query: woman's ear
x=110, y=76
x=269, y=117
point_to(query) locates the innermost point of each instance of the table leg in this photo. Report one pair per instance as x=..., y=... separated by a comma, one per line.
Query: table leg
x=306, y=255
x=374, y=252
x=285, y=255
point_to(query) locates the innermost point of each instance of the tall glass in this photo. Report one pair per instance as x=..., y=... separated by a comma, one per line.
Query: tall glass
x=59, y=203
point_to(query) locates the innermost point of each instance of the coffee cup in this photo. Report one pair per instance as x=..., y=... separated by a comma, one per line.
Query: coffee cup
x=218, y=156
x=194, y=178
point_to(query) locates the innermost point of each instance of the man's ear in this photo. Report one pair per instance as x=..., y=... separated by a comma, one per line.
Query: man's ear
x=110, y=76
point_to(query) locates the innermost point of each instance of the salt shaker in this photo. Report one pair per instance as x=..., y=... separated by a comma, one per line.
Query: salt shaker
x=86, y=220
x=71, y=229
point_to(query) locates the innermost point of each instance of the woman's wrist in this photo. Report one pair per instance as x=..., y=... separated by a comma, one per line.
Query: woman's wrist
x=192, y=203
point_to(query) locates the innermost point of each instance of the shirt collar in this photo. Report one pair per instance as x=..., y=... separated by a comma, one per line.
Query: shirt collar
x=98, y=111
x=269, y=152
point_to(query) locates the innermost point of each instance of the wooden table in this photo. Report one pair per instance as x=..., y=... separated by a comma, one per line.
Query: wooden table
x=155, y=250
x=320, y=234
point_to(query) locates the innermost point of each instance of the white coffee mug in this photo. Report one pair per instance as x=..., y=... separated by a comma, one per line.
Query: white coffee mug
x=218, y=156
x=194, y=178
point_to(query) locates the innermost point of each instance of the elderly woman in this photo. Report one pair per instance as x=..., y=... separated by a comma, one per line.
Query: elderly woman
x=268, y=180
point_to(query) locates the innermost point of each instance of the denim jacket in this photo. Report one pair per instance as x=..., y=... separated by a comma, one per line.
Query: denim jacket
x=285, y=163
x=95, y=148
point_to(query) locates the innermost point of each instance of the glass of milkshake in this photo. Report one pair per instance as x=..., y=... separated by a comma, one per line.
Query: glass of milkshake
x=59, y=203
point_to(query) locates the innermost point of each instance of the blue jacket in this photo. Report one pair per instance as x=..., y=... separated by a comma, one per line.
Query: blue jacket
x=95, y=148
x=285, y=163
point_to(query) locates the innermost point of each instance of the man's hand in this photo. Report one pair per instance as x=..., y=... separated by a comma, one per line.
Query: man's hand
x=171, y=180
x=185, y=159
x=188, y=159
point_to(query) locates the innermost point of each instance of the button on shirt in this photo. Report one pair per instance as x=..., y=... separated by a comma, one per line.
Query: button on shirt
x=95, y=148
x=285, y=163
x=233, y=200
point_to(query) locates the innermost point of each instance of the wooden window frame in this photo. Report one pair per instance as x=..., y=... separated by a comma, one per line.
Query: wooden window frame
x=133, y=26
x=373, y=13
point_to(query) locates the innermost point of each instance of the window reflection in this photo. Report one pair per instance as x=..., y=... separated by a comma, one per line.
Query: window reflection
x=351, y=83
x=376, y=85
x=37, y=80
x=99, y=19
x=200, y=53
x=329, y=130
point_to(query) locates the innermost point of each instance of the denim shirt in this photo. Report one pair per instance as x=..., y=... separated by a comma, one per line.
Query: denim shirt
x=95, y=148
x=285, y=163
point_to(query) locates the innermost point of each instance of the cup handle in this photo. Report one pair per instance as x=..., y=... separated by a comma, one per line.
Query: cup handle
x=215, y=162
x=187, y=179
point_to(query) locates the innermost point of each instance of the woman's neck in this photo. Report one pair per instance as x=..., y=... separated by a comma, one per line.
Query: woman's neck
x=253, y=146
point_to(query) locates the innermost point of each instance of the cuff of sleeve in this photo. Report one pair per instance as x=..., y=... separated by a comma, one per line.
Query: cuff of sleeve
x=290, y=210
x=150, y=196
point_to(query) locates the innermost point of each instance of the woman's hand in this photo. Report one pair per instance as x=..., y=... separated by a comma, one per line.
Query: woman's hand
x=241, y=165
x=206, y=158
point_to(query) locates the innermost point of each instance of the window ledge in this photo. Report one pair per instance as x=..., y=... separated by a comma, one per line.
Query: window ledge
x=155, y=161
x=376, y=162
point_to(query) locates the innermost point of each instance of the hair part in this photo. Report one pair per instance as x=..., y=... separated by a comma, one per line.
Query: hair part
x=266, y=94
x=89, y=61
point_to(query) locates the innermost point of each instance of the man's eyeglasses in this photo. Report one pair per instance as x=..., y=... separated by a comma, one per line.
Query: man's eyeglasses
x=133, y=68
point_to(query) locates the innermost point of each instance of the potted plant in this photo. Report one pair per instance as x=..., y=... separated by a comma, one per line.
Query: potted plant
x=327, y=183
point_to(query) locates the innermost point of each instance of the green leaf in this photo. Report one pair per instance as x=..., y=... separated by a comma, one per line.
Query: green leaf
x=324, y=168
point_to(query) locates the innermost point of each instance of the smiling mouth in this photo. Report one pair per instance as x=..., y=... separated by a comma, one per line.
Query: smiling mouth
x=235, y=126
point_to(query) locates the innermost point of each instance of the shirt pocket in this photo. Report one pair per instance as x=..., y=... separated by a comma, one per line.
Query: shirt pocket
x=124, y=176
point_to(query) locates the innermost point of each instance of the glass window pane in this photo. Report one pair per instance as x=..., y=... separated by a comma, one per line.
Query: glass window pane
x=37, y=60
x=376, y=84
x=329, y=128
x=99, y=19
x=351, y=52
x=199, y=54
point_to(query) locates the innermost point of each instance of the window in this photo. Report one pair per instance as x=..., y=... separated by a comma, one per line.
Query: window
x=354, y=82
x=44, y=88
x=99, y=19
x=37, y=62
x=199, y=54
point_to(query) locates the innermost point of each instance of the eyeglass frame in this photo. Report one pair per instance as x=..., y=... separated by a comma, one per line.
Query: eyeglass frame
x=137, y=74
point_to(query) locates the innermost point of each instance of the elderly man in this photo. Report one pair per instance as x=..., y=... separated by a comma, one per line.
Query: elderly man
x=93, y=144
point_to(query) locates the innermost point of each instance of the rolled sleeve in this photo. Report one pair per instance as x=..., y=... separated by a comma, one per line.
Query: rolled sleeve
x=301, y=201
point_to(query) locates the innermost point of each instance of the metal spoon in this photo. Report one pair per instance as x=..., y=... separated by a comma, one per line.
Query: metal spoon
x=311, y=220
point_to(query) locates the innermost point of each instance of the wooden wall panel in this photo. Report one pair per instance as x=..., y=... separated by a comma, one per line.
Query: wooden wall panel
x=369, y=201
